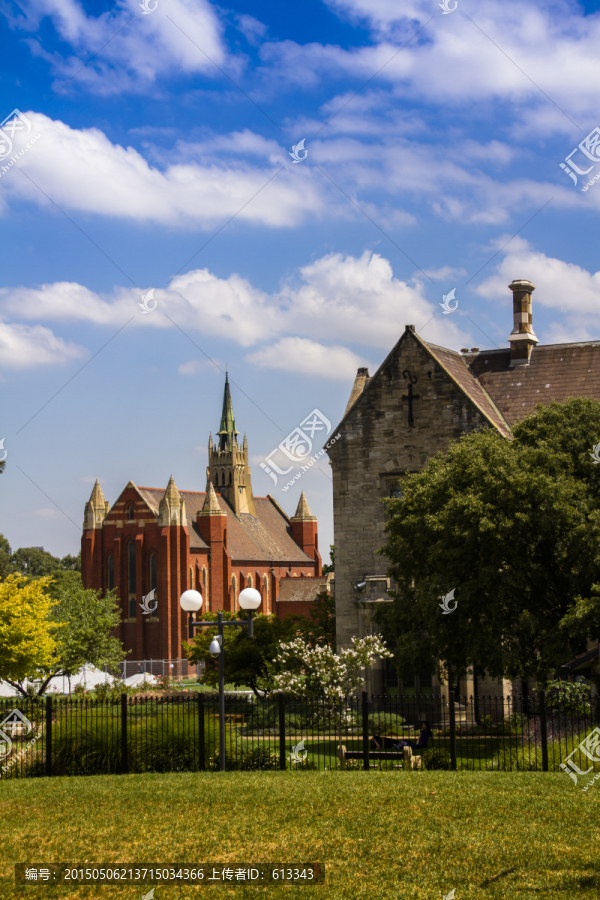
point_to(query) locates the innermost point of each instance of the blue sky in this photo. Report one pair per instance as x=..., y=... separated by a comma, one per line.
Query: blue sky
x=434, y=144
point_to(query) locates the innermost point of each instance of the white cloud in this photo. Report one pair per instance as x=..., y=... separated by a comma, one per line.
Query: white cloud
x=357, y=299
x=45, y=513
x=561, y=286
x=195, y=366
x=181, y=37
x=80, y=169
x=22, y=347
x=307, y=357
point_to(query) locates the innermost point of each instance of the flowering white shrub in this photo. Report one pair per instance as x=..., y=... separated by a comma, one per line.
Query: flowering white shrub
x=334, y=676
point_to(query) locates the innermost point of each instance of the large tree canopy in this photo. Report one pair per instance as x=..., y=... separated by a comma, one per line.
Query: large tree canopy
x=513, y=527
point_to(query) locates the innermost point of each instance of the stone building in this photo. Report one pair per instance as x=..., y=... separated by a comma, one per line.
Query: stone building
x=218, y=542
x=421, y=398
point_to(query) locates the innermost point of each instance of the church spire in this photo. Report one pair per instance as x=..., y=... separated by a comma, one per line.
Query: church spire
x=227, y=432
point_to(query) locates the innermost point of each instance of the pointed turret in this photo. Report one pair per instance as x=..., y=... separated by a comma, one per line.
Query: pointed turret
x=227, y=433
x=360, y=382
x=303, y=513
x=211, y=504
x=171, y=510
x=304, y=530
x=96, y=509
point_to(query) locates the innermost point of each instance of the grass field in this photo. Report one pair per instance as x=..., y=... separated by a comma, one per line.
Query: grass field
x=380, y=835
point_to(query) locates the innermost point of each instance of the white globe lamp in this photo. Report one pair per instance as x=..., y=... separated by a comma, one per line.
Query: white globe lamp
x=191, y=601
x=249, y=599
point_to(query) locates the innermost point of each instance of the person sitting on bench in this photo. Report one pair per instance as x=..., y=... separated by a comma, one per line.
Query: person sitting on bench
x=425, y=736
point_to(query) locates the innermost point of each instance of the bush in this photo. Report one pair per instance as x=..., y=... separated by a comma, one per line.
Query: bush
x=258, y=758
x=305, y=765
x=516, y=721
x=386, y=723
x=515, y=759
x=438, y=759
x=569, y=697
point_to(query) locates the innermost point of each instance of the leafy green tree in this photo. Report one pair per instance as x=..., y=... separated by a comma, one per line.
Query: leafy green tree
x=513, y=528
x=28, y=639
x=330, y=567
x=247, y=660
x=34, y=562
x=84, y=621
x=71, y=563
x=319, y=626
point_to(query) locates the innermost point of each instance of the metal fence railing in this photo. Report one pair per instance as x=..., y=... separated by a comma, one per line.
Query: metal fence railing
x=73, y=736
x=175, y=668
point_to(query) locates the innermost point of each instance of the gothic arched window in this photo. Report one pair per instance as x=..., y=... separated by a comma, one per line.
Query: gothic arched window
x=110, y=572
x=131, y=513
x=131, y=580
x=152, y=571
x=249, y=580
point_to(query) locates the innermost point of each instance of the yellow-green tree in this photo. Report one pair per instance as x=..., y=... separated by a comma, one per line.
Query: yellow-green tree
x=27, y=633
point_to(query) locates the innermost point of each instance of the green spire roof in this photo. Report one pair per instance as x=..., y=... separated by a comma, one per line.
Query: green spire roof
x=227, y=432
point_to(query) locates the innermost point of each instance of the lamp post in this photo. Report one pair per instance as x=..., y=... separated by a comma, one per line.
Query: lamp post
x=191, y=602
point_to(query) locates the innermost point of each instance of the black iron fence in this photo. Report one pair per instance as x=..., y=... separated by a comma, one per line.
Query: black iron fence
x=73, y=736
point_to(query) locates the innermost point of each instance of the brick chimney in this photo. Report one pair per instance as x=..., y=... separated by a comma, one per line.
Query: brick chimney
x=522, y=338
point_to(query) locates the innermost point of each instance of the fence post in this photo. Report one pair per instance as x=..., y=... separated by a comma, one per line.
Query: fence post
x=201, y=730
x=124, y=760
x=365, y=730
x=282, y=759
x=48, y=736
x=544, y=728
x=452, y=715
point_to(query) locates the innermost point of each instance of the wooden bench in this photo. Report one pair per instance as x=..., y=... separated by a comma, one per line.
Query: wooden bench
x=234, y=717
x=406, y=755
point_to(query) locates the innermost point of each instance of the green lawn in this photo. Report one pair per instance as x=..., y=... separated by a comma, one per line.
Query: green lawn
x=381, y=835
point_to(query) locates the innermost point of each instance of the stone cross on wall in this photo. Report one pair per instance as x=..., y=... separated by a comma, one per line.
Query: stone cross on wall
x=412, y=379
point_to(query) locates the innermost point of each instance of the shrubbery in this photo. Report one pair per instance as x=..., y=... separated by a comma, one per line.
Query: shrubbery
x=437, y=759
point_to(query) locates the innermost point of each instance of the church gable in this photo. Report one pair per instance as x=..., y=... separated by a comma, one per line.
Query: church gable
x=420, y=398
x=130, y=506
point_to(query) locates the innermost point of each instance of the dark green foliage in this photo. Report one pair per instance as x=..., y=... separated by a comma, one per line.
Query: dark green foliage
x=258, y=758
x=6, y=566
x=327, y=568
x=571, y=698
x=437, y=759
x=83, y=745
x=319, y=626
x=386, y=723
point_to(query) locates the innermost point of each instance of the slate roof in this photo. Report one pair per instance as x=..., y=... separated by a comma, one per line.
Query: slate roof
x=555, y=372
x=292, y=590
x=268, y=537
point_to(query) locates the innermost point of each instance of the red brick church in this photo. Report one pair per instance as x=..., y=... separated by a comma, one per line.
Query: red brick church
x=218, y=541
